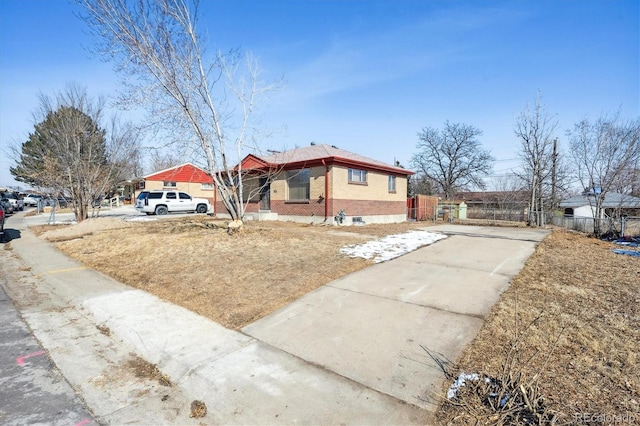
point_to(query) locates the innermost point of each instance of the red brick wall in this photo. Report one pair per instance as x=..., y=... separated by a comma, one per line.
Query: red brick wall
x=251, y=207
x=353, y=207
x=298, y=209
x=369, y=208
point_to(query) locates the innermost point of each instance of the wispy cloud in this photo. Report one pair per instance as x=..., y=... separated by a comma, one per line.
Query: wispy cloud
x=393, y=53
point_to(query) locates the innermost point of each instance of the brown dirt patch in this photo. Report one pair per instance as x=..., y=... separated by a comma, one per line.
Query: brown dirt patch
x=104, y=329
x=575, y=312
x=143, y=369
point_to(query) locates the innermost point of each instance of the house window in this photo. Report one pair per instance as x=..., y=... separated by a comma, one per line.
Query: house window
x=168, y=184
x=206, y=186
x=357, y=176
x=392, y=184
x=298, y=182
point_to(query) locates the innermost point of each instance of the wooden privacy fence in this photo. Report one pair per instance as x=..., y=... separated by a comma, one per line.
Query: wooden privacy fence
x=422, y=207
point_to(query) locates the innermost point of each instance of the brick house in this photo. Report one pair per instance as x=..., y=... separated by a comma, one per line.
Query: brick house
x=185, y=177
x=315, y=183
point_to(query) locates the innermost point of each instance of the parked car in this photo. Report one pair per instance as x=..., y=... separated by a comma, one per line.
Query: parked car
x=6, y=205
x=2, y=218
x=164, y=202
x=32, y=200
x=15, y=201
x=62, y=202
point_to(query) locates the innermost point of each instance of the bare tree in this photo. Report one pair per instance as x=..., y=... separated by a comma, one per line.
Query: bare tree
x=204, y=99
x=629, y=181
x=453, y=159
x=70, y=154
x=538, y=152
x=124, y=142
x=159, y=160
x=508, y=195
x=603, y=152
x=419, y=184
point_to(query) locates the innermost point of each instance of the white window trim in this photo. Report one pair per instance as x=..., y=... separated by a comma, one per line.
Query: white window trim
x=392, y=178
x=360, y=173
x=291, y=173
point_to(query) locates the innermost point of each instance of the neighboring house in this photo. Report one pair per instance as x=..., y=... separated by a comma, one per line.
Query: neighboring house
x=614, y=205
x=496, y=205
x=185, y=177
x=502, y=200
x=316, y=183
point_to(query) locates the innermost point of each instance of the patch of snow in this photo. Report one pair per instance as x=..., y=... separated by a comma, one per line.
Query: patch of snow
x=452, y=392
x=140, y=219
x=62, y=222
x=462, y=378
x=392, y=246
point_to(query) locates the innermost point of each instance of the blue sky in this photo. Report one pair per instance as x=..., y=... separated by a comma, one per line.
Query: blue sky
x=366, y=75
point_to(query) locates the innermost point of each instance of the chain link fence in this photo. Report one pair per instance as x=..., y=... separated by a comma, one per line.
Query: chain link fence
x=434, y=214
x=423, y=214
x=509, y=215
x=626, y=226
x=451, y=213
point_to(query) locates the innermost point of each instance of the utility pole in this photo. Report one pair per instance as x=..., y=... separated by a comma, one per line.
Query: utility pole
x=554, y=171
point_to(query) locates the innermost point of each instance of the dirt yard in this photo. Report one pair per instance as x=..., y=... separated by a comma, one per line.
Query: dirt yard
x=574, y=307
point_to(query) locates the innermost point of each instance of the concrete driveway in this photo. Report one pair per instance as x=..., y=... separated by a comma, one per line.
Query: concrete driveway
x=372, y=326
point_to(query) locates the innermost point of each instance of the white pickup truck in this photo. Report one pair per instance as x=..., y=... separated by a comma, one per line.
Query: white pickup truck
x=15, y=200
x=164, y=202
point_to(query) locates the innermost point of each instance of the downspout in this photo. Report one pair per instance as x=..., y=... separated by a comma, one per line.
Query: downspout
x=215, y=197
x=326, y=190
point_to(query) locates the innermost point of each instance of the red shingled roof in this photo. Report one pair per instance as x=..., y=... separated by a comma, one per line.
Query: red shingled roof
x=314, y=154
x=184, y=173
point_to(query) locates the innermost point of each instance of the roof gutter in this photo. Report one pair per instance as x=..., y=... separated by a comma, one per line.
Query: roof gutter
x=326, y=190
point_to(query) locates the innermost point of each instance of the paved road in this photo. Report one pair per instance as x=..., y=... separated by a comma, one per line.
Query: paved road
x=349, y=352
x=32, y=389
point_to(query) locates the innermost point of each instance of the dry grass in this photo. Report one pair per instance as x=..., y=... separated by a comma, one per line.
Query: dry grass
x=233, y=280
x=575, y=307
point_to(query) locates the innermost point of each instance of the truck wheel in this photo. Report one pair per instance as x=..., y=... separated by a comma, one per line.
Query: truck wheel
x=201, y=208
x=161, y=210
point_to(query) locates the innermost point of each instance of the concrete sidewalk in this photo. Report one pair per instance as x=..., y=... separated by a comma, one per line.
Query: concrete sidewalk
x=350, y=352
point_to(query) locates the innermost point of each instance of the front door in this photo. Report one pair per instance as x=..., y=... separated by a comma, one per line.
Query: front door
x=265, y=194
